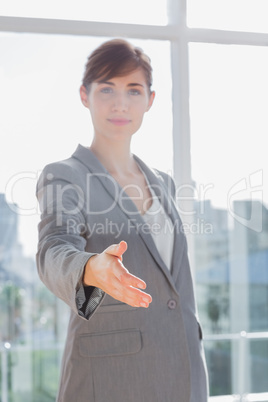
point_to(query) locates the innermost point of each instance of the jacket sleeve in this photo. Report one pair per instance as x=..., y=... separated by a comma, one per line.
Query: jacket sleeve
x=61, y=255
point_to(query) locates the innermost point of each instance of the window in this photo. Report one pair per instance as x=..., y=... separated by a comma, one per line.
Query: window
x=138, y=12
x=211, y=85
x=228, y=92
x=234, y=15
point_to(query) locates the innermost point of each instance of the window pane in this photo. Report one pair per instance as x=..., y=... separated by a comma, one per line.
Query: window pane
x=236, y=15
x=43, y=120
x=135, y=12
x=226, y=360
x=229, y=125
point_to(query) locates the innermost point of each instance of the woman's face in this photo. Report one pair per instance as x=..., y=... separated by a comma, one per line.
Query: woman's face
x=117, y=106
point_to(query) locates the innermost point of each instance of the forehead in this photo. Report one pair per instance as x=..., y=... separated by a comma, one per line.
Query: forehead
x=134, y=77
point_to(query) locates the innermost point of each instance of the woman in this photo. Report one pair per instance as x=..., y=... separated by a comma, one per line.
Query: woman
x=109, y=229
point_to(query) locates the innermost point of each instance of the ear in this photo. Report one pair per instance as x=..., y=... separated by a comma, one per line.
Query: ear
x=84, y=96
x=151, y=100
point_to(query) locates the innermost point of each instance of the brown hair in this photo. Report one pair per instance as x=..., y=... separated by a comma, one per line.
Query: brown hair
x=116, y=58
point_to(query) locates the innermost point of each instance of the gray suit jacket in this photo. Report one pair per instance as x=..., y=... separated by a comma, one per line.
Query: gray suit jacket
x=118, y=353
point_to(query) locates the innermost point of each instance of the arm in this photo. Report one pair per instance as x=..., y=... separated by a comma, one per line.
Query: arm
x=63, y=264
x=61, y=255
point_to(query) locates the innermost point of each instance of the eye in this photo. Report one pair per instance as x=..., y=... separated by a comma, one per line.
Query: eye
x=134, y=92
x=106, y=90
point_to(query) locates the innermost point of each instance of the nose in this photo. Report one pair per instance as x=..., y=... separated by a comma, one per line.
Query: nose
x=120, y=102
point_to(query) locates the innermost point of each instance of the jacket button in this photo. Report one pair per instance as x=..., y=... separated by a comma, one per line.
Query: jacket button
x=172, y=304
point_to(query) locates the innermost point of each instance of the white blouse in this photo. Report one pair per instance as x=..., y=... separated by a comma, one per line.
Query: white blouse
x=161, y=229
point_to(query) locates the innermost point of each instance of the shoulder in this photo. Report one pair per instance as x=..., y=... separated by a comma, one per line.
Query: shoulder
x=68, y=170
x=66, y=166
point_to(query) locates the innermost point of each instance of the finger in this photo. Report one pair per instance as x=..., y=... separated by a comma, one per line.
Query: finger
x=140, y=298
x=128, y=279
x=131, y=296
x=117, y=250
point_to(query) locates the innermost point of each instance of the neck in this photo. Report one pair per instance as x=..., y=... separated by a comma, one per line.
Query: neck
x=115, y=156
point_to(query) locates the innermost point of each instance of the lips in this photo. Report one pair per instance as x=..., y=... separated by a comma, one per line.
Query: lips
x=119, y=122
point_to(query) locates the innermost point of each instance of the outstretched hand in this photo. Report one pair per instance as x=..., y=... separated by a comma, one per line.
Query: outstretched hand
x=107, y=272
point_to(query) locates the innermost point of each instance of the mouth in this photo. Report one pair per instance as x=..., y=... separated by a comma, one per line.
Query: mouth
x=119, y=122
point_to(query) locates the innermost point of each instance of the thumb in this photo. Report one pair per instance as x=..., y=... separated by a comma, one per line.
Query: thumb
x=117, y=250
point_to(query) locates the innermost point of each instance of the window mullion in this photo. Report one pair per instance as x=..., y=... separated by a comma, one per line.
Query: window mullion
x=181, y=116
x=203, y=35
x=86, y=28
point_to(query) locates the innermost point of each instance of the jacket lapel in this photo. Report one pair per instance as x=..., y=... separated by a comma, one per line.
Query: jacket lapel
x=165, y=195
x=128, y=207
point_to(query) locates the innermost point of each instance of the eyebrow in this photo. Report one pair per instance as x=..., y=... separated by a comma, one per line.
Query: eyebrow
x=132, y=84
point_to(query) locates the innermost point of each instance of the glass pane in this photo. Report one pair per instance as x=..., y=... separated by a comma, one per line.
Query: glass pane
x=236, y=15
x=229, y=125
x=240, y=358
x=135, y=12
x=219, y=364
x=259, y=365
x=43, y=120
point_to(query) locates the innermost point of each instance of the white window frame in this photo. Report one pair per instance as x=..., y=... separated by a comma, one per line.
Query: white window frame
x=179, y=36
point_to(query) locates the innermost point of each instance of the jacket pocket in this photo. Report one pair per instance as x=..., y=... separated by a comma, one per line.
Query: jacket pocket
x=112, y=343
x=110, y=308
